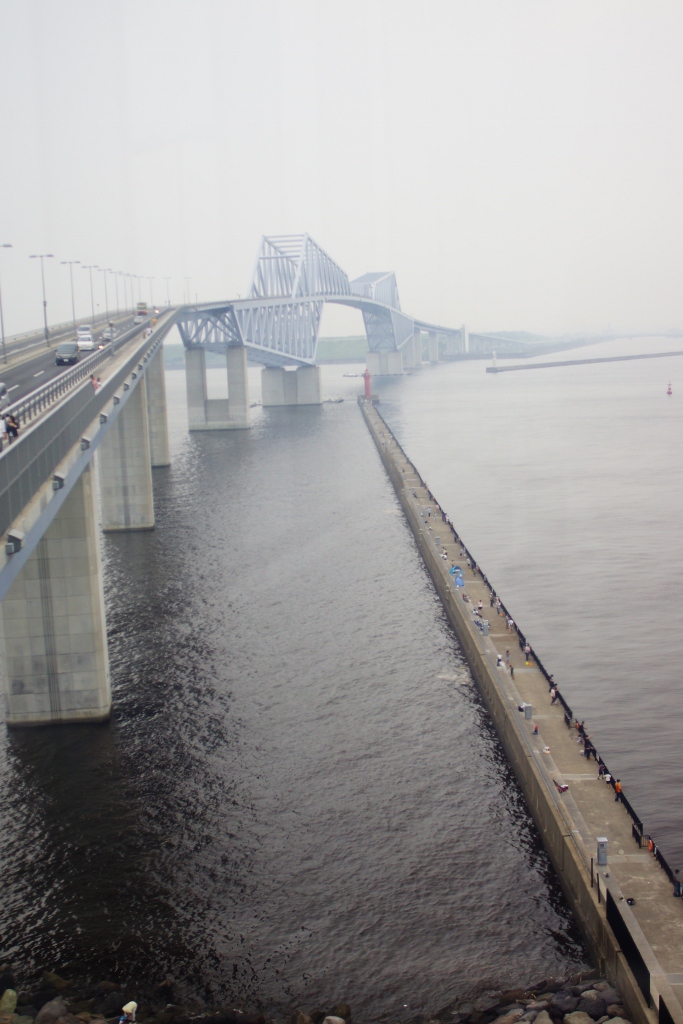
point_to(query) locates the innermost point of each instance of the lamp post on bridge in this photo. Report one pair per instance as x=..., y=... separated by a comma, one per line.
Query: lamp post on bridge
x=105, y=271
x=70, y=264
x=116, y=286
x=42, y=257
x=90, y=267
x=4, y=245
x=168, y=293
x=151, y=294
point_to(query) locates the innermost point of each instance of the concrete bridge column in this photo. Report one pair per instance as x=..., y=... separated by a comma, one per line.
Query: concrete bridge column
x=385, y=364
x=417, y=347
x=308, y=385
x=278, y=386
x=53, y=637
x=125, y=462
x=217, y=413
x=238, y=388
x=408, y=355
x=433, y=339
x=465, y=338
x=155, y=384
x=195, y=385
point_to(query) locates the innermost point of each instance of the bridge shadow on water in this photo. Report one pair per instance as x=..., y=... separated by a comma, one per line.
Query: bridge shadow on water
x=299, y=797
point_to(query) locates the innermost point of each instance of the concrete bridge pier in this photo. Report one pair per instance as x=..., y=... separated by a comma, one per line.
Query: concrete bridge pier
x=417, y=347
x=385, y=364
x=53, y=637
x=231, y=413
x=291, y=387
x=451, y=345
x=125, y=462
x=433, y=339
x=465, y=338
x=155, y=384
x=408, y=354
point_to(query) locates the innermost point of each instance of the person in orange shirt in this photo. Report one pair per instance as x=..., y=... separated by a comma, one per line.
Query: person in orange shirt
x=617, y=790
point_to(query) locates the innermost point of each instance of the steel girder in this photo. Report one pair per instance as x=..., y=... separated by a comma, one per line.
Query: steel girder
x=278, y=323
x=293, y=266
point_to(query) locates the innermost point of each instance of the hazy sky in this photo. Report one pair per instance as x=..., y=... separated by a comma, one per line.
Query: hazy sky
x=518, y=164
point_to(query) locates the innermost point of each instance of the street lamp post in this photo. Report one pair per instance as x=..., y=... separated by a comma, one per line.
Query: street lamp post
x=168, y=293
x=4, y=245
x=41, y=257
x=70, y=264
x=151, y=293
x=105, y=271
x=90, y=267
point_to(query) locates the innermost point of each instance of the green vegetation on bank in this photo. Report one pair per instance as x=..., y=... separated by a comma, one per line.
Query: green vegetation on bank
x=330, y=350
x=343, y=350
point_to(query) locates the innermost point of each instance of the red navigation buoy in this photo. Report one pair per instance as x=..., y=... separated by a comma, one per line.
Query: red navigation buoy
x=366, y=377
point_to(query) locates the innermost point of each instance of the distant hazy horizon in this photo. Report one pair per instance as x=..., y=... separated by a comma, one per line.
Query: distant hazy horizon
x=517, y=165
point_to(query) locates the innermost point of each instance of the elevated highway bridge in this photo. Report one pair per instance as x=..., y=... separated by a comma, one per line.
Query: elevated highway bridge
x=53, y=640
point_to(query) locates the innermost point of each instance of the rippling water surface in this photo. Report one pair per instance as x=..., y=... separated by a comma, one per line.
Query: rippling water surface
x=299, y=798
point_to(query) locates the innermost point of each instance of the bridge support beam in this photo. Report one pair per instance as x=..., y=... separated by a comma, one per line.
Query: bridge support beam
x=385, y=364
x=155, y=384
x=125, y=461
x=217, y=413
x=433, y=339
x=53, y=637
x=417, y=347
x=290, y=387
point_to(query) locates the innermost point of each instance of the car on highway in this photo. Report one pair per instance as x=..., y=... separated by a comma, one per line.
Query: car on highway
x=108, y=334
x=66, y=353
x=84, y=339
x=139, y=318
x=4, y=396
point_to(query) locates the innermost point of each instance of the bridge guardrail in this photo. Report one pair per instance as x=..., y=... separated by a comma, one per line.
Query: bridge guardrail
x=27, y=408
x=34, y=456
x=12, y=339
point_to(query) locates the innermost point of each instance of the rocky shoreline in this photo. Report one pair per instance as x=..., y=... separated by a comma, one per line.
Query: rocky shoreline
x=51, y=999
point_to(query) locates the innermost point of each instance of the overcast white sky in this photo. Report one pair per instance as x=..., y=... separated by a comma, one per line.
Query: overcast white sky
x=517, y=163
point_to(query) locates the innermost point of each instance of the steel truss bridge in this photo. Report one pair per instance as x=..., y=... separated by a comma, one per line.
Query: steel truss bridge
x=278, y=322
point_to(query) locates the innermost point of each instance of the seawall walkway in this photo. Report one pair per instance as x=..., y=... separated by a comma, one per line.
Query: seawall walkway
x=638, y=945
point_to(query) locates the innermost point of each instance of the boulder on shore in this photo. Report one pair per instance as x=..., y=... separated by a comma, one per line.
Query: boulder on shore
x=577, y=1017
x=8, y=1003
x=562, y=1003
x=593, y=1006
x=51, y=1011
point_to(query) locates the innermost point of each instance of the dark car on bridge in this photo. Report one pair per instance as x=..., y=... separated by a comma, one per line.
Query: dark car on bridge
x=66, y=353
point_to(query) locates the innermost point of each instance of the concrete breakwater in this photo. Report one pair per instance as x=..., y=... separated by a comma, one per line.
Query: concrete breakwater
x=625, y=907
